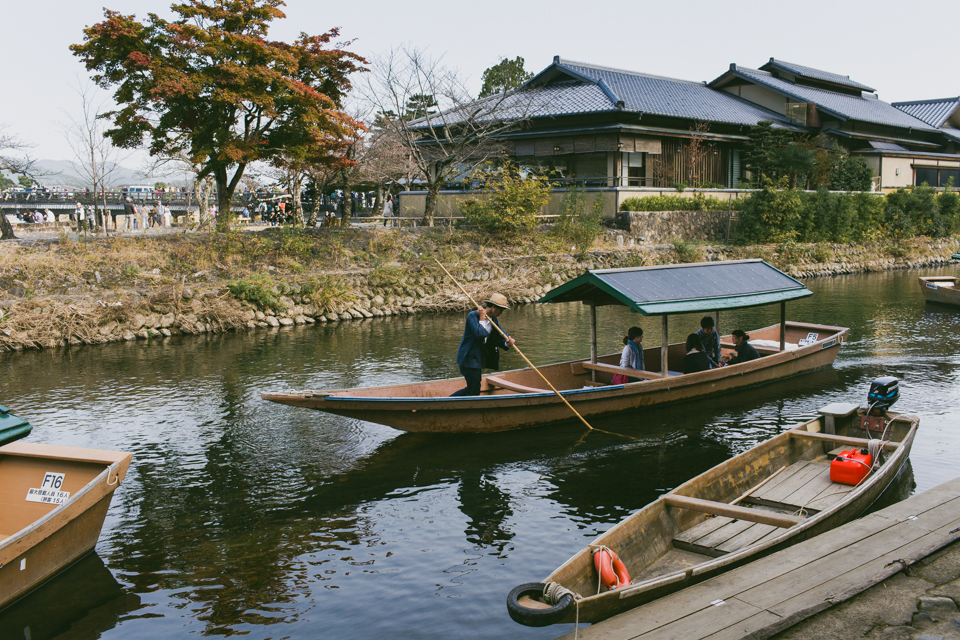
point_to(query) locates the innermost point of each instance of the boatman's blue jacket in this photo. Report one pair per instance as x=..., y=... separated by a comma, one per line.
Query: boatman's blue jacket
x=474, y=336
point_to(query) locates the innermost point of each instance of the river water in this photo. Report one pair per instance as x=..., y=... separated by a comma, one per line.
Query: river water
x=240, y=516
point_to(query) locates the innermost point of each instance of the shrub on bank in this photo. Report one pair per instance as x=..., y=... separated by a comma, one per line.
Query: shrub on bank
x=512, y=205
x=576, y=225
x=771, y=215
x=258, y=289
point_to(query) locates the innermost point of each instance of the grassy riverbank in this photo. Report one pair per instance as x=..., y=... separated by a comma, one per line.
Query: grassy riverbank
x=61, y=292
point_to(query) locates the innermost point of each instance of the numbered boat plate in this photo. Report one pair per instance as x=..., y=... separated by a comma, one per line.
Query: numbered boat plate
x=49, y=491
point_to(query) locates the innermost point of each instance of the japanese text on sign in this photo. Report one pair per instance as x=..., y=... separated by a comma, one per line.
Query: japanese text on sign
x=49, y=491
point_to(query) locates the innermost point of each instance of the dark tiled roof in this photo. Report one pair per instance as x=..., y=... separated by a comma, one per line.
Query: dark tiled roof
x=866, y=108
x=557, y=99
x=564, y=98
x=815, y=74
x=671, y=97
x=933, y=112
x=568, y=88
x=952, y=132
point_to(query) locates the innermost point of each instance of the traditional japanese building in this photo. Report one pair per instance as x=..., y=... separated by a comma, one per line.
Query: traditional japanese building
x=625, y=129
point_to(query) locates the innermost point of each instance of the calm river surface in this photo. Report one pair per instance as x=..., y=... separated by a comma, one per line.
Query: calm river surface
x=241, y=516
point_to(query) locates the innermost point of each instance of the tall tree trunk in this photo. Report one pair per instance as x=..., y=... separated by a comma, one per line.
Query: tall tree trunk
x=6, y=229
x=296, y=185
x=224, y=198
x=312, y=220
x=430, y=208
x=378, y=201
x=347, y=203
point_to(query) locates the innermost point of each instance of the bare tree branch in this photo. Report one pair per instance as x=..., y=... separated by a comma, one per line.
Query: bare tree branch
x=463, y=134
x=96, y=159
x=16, y=164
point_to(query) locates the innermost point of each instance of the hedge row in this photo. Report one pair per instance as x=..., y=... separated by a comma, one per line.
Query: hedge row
x=698, y=202
x=769, y=215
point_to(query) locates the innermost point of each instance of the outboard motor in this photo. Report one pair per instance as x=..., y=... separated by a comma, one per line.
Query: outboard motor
x=884, y=392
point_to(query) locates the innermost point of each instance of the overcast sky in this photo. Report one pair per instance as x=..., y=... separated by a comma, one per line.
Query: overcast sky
x=906, y=50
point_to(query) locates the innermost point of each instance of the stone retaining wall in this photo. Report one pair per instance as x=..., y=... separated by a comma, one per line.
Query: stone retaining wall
x=656, y=227
x=108, y=306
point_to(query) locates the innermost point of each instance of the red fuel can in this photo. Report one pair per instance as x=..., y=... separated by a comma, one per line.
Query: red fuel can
x=850, y=467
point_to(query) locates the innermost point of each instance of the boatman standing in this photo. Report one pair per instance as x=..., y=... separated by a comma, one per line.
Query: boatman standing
x=480, y=343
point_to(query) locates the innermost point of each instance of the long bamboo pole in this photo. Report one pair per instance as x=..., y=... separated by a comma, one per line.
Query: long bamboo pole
x=530, y=364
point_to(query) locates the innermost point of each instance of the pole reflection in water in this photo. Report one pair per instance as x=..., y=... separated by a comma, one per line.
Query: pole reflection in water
x=246, y=517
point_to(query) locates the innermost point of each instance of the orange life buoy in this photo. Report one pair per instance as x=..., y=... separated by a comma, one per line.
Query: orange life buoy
x=613, y=573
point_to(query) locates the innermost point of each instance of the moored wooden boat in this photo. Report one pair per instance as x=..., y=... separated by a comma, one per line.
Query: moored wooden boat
x=520, y=398
x=942, y=289
x=53, y=501
x=763, y=500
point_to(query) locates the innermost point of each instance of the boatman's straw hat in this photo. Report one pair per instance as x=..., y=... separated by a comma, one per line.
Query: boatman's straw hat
x=497, y=300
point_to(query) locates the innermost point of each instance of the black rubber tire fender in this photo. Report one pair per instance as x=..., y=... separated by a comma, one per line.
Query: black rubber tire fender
x=536, y=617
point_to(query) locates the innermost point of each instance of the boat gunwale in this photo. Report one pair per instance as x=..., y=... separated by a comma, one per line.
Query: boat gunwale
x=890, y=469
x=73, y=501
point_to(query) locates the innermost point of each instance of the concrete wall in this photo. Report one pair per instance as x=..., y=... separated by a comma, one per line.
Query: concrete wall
x=412, y=203
x=889, y=178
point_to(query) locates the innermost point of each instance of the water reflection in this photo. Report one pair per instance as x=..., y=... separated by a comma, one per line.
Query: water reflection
x=83, y=601
x=245, y=517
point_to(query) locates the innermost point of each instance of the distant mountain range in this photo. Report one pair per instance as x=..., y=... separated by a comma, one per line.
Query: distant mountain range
x=56, y=173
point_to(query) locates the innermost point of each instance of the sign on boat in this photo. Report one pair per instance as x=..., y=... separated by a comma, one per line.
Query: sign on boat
x=517, y=398
x=53, y=501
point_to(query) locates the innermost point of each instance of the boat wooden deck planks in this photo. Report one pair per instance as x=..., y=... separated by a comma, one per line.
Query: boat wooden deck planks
x=747, y=537
x=793, y=484
x=764, y=597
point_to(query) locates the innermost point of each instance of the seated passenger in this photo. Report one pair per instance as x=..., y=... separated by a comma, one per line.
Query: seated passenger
x=745, y=351
x=709, y=340
x=632, y=356
x=695, y=360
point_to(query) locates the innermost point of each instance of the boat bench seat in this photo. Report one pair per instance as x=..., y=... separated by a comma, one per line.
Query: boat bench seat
x=803, y=485
x=512, y=386
x=632, y=373
x=762, y=350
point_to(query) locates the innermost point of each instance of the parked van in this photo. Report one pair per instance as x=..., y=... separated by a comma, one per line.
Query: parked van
x=138, y=192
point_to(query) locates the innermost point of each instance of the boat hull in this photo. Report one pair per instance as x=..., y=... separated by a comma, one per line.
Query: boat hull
x=53, y=536
x=649, y=521
x=940, y=289
x=427, y=407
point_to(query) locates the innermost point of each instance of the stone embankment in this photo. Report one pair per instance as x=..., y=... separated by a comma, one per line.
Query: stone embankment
x=53, y=305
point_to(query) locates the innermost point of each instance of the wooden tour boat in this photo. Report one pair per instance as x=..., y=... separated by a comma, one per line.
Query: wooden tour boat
x=519, y=398
x=774, y=495
x=53, y=501
x=942, y=289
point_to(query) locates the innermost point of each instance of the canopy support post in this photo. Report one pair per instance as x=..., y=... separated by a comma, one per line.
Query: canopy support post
x=664, y=346
x=783, y=326
x=716, y=321
x=593, y=340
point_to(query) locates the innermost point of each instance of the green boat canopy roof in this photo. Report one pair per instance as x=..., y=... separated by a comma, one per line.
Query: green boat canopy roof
x=11, y=427
x=683, y=288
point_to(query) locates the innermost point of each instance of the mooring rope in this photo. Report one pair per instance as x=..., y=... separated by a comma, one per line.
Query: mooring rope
x=554, y=592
